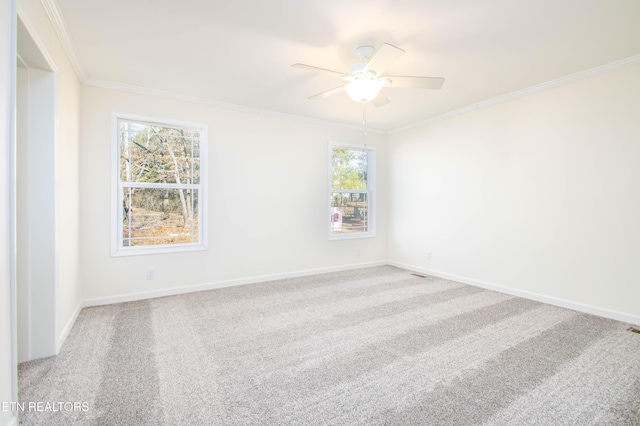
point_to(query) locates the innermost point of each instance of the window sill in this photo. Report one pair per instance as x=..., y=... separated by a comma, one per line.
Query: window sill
x=182, y=248
x=333, y=237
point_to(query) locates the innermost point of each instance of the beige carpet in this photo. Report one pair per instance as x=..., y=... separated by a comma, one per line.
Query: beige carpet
x=364, y=347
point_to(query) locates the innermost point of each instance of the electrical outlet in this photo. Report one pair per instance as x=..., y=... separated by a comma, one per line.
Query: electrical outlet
x=151, y=273
x=359, y=252
x=428, y=255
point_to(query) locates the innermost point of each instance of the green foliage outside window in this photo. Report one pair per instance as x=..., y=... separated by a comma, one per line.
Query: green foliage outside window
x=349, y=196
x=168, y=157
x=349, y=169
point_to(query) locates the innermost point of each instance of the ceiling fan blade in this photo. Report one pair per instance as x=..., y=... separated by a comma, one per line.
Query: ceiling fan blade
x=380, y=100
x=384, y=58
x=324, y=70
x=434, y=83
x=327, y=93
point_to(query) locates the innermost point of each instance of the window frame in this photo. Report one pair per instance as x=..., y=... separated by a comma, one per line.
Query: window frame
x=370, y=191
x=117, y=215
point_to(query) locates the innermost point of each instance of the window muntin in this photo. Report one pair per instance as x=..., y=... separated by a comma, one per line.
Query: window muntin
x=159, y=194
x=352, y=177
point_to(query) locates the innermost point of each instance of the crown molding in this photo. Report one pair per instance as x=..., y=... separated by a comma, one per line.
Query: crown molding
x=52, y=10
x=592, y=72
x=105, y=84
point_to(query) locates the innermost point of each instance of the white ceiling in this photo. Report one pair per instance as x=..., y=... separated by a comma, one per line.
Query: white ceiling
x=241, y=51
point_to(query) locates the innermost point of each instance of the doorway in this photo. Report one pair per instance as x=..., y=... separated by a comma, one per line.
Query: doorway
x=35, y=200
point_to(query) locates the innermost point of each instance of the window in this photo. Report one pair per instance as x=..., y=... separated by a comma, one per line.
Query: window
x=351, y=191
x=158, y=194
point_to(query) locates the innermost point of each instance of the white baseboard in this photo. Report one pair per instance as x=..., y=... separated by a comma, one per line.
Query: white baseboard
x=200, y=287
x=68, y=327
x=563, y=303
x=606, y=313
x=130, y=297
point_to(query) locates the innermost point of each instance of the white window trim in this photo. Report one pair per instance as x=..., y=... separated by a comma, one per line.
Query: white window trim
x=116, y=198
x=371, y=190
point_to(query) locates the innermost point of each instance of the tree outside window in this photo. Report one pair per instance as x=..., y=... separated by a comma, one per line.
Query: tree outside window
x=351, y=190
x=159, y=187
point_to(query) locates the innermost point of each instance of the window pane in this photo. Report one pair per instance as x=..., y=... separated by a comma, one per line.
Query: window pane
x=159, y=216
x=349, y=169
x=349, y=212
x=150, y=153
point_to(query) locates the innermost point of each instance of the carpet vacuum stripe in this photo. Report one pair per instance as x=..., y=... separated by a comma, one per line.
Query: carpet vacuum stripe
x=374, y=346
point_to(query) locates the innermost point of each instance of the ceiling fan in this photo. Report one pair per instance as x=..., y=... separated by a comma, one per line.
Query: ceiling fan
x=366, y=80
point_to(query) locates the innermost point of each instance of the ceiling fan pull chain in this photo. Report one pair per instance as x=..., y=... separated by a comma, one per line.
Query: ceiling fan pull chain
x=364, y=121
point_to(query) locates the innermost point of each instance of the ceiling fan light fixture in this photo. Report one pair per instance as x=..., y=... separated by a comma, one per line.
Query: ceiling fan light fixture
x=364, y=88
x=366, y=78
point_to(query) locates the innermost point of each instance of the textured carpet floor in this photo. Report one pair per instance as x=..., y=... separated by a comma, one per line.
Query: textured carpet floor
x=364, y=347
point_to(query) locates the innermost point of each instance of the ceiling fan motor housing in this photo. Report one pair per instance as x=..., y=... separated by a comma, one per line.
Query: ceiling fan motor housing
x=365, y=52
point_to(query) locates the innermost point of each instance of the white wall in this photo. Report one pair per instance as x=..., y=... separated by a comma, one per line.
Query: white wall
x=69, y=292
x=539, y=195
x=267, y=199
x=7, y=99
